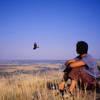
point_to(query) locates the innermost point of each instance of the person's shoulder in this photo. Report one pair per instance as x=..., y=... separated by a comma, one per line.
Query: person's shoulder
x=89, y=57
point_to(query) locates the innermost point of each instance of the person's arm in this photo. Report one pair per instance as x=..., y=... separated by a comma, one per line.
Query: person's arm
x=77, y=64
x=69, y=61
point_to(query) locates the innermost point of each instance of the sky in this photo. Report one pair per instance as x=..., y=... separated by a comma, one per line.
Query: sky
x=56, y=26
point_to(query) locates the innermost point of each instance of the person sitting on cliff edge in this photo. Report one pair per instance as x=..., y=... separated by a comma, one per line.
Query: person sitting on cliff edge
x=83, y=67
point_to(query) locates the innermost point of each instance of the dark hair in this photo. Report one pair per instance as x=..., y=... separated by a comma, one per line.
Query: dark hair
x=81, y=47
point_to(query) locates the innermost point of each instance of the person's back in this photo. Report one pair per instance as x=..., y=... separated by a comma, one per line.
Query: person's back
x=90, y=65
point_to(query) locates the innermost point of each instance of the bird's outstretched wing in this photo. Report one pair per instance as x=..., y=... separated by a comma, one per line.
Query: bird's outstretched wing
x=35, y=46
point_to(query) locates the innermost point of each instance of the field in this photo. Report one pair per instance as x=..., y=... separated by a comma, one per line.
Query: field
x=29, y=82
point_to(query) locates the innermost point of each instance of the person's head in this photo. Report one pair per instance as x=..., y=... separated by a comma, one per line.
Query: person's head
x=81, y=47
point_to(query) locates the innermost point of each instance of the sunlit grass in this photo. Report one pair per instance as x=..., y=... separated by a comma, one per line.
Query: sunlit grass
x=34, y=87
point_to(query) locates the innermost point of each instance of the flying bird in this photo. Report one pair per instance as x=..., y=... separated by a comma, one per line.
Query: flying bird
x=35, y=46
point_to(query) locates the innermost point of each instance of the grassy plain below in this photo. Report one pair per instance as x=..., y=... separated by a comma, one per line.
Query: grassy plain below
x=29, y=82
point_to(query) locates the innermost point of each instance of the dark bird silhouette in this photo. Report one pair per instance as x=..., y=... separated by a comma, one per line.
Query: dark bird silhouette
x=35, y=46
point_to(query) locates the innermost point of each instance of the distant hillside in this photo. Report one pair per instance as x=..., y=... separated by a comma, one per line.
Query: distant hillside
x=30, y=61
